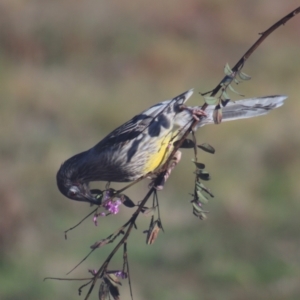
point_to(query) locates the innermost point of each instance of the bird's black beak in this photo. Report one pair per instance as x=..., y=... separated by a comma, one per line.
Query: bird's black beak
x=91, y=199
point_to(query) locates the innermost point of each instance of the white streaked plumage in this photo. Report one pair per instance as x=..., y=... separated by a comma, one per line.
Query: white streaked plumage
x=142, y=145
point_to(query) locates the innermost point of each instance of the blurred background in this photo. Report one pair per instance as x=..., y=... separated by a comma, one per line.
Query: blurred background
x=72, y=71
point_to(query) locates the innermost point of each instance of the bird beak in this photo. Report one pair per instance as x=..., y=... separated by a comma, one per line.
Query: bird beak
x=89, y=198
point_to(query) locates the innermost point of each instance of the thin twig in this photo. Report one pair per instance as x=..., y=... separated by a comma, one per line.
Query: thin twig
x=122, y=241
x=82, y=261
x=238, y=66
x=128, y=272
x=131, y=223
x=71, y=228
x=66, y=279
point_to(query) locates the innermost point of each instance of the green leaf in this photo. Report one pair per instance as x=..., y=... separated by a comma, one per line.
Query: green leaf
x=202, y=198
x=234, y=91
x=197, y=207
x=148, y=211
x=98, y=194
x=243, y=76
x=204, y=175
x=195, y=213
x=201, y=186
x=225, y=96
x=199, y=165
x=207, y=148
x=225, y=102
x=202, y=216
x=236, y=81
x=227, y=70
x=199, y=213
x=226, y=80
x=211, y=100
x=127, y=201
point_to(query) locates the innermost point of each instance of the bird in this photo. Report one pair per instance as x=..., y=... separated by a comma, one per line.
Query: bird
x=143, y=144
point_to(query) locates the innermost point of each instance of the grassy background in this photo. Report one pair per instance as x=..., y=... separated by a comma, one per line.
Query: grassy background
x=71, y=71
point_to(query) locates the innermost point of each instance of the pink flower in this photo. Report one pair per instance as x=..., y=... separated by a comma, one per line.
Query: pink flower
x=121, y=274
x=113, y=206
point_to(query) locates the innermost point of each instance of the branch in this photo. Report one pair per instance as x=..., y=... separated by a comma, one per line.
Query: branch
x=102, y=271
x=238, y=66
x=132, y=220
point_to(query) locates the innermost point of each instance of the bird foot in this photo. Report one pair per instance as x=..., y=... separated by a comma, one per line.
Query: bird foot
x=195, y=111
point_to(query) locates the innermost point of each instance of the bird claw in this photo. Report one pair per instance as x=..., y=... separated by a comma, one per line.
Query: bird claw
x=195, y=111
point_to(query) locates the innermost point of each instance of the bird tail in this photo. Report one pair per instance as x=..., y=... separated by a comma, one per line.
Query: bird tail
x=244, y=109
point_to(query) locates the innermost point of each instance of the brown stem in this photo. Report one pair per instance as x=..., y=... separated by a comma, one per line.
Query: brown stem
x=238, y=66
x=132, y=220
x=122, y=241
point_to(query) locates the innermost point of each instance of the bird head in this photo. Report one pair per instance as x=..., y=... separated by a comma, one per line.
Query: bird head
x=72, y=186
x=78, y=191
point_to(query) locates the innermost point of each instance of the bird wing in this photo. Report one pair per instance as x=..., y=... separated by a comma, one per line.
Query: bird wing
x=155, y=117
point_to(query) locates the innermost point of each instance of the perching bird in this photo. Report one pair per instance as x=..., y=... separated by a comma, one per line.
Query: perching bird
x=142, y=145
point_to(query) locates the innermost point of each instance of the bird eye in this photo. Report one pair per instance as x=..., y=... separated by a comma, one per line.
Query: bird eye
x=73, y=192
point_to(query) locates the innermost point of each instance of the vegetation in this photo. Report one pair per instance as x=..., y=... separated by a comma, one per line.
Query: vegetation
x=72, y=71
